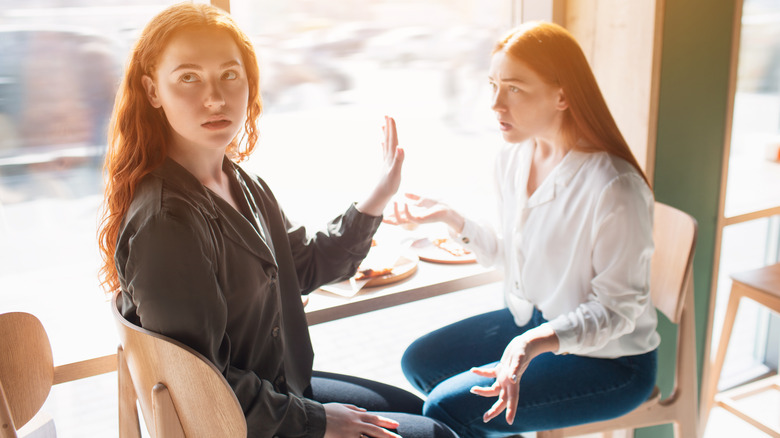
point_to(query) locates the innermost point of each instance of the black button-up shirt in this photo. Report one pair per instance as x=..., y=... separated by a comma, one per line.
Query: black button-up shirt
x=229, y=285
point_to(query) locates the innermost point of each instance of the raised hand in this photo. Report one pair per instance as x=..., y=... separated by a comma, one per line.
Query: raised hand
x=390, y=175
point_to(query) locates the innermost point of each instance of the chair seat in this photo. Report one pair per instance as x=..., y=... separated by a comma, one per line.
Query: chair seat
x=766, y=279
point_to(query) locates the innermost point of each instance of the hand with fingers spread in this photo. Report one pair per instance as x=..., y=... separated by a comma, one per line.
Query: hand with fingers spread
x=517, y=355
x=418, y=210
x=390, y=179
x=351, y=421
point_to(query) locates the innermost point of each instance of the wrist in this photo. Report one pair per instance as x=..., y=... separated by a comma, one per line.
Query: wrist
x=374, y=205
x=541, y=339
x=455, y=221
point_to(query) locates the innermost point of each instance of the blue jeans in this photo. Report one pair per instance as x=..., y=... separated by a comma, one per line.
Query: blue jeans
x=555, y=390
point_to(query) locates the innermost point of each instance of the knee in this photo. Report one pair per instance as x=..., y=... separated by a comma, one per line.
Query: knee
x=413, y=366
x=435, y=408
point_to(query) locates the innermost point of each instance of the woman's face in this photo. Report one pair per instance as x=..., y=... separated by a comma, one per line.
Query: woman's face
x=525, y=105
x=200, y=82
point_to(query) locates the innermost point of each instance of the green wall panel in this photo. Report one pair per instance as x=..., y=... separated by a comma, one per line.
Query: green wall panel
x=689, y=151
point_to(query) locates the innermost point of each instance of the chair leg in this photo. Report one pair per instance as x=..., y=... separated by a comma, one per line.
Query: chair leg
x=686, y=428
x=711, y=387
x=7, y=428
x=166, y=420
x=129, y=425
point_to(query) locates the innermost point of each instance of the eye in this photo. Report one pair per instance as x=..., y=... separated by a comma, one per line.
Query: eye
x=493, y=85
x=230, y=75
x=188, y=77
x=514, y=89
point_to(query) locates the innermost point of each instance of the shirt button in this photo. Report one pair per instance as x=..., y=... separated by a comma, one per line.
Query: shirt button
x=465, y=239
x=275, y=332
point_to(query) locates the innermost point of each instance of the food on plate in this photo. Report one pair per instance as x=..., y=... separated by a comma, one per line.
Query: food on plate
x=451, y=247
x=364, y=274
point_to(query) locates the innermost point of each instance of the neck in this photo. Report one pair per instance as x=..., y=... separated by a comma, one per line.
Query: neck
x=552, y=150
x=206, y=167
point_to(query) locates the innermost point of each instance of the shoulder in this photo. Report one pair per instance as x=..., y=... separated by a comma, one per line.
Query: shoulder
x=616, y=186
x=165, y=207
x=605, y=171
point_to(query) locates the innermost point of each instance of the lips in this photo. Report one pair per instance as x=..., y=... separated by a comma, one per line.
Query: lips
x=505, y=126
x=216, y=124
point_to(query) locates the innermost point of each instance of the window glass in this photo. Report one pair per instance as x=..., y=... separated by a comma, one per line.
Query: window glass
x=60, y=64
x=331, y=71
x=754, y=161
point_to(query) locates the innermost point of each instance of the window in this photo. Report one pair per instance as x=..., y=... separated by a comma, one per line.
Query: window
x=331, y=71
x=60, y=64
x=749, y=223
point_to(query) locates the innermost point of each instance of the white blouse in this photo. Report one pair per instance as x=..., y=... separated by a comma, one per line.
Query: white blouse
x=578, y=249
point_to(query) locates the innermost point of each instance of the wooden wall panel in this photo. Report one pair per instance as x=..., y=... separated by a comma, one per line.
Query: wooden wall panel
x=622, y=41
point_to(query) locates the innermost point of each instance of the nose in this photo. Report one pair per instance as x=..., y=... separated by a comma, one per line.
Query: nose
x=214, y=95
x=497, y=101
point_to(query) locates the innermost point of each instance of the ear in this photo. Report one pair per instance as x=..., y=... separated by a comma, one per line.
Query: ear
x=562, y=103
x=151, y=91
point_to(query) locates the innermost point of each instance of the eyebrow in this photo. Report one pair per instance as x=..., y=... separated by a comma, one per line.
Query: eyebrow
x=517, y=80
x=186, y=66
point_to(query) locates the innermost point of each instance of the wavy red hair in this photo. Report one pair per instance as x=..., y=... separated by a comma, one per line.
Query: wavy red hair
x=138, y=132
x=553, y=53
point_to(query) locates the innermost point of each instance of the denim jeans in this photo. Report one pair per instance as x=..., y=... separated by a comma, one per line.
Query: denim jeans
x=555, y=390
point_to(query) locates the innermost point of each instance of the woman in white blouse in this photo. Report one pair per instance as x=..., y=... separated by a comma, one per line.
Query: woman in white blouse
x=577, y=341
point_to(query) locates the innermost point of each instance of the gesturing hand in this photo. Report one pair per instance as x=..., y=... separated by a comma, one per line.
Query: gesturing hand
x=419, y=210
x=353, y=422
x=517, y=355
x=507, y=385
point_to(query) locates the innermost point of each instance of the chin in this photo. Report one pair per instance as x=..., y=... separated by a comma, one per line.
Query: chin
x=513, y=137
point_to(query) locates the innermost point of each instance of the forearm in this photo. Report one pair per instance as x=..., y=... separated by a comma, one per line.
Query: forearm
x=375, y=203
x=454, y=220
x=541, y=339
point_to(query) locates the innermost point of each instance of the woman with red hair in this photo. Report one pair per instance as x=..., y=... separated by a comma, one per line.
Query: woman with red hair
x=577, y=340
x=201, y=250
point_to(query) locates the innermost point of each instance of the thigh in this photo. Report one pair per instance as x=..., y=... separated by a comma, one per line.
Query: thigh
x=458, y=347
x=555, y=391
x=368, y=394
x=382, y=399
x=417, y=426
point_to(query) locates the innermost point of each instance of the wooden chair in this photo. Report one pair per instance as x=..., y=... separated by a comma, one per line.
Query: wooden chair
x=762, y=286
x=26, y=370
x=671, y=287
x=181, y=393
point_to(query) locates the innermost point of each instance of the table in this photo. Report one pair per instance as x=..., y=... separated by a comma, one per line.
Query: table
x=430, y=280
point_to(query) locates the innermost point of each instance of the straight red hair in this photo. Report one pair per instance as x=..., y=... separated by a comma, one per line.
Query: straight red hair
x=552, y=52
x=139, y=133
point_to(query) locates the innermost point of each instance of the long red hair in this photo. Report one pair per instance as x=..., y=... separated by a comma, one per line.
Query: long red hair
x=138, y=132
x=553, y=53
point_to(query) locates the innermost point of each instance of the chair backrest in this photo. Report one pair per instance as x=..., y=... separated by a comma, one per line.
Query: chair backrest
x=26, y=370
x=177, y=388
x=674, y=234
